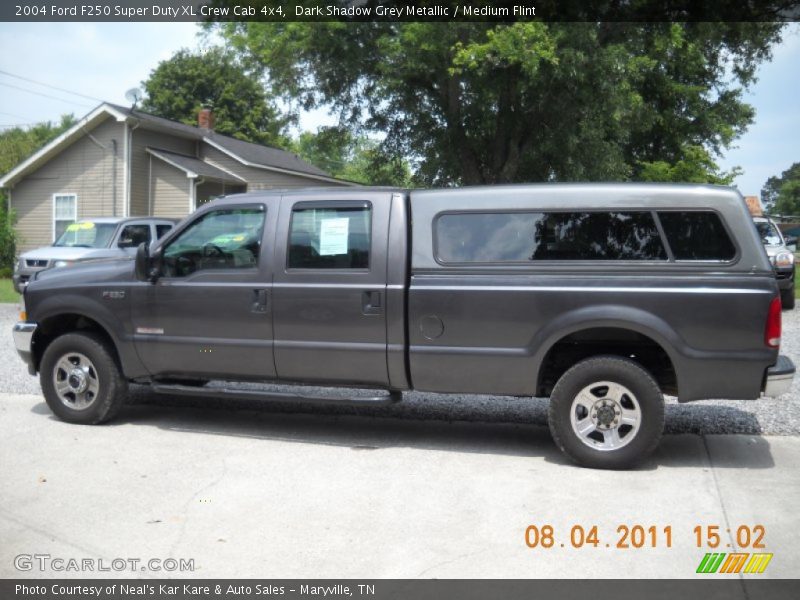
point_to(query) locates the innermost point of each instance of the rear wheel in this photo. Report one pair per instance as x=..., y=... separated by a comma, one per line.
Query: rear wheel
x=81, y=381
x=606, y=413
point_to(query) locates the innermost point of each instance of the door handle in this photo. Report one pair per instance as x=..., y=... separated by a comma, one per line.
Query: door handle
x=371, y=303
x=260, y=301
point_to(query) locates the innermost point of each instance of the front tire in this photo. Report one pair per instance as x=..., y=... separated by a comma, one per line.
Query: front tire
x=81, y=381
x=606, y=413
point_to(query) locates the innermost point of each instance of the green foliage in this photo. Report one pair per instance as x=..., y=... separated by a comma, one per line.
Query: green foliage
x=354, y=158
x=15, y=146
x=475, y=102
x=179, y=87
x=781, y=195
x=7, y=291
x=694, y=166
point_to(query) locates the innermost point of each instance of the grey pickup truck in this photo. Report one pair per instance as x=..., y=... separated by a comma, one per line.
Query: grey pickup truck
x=601, y=297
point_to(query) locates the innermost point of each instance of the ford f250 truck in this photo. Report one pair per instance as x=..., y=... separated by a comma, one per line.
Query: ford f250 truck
x=601, y=297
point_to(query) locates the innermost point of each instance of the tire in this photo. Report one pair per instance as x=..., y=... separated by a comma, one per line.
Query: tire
x=600, y=396
x=81, y=381
x=787, y=298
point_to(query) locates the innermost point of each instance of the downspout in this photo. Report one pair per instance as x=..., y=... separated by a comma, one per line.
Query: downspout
x=128, y=148
x=113, y=166
x=150, y=185
x=193, y=200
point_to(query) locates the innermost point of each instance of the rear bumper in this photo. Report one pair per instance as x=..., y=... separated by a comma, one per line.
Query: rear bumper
x=23, y=341
x=779, y=377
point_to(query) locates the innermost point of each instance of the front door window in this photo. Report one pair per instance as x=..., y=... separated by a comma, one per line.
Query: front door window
x=222, y=239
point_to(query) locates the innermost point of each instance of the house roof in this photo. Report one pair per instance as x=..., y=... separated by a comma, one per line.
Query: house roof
x=194, y=167
x=247, y=153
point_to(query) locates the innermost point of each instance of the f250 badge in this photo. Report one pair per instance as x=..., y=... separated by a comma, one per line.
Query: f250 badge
x=113, y=294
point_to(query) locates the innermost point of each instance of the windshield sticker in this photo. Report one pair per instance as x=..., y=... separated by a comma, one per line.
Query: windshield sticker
x=80, y=226
x=333, y=236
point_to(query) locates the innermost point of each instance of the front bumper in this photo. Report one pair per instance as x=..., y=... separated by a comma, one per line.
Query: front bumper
x=785, y=277
x=23, y=340
x=779, y=377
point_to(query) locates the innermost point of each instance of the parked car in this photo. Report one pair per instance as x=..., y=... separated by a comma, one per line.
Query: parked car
x=91, y=239
x=602, y=297
x=780, y=255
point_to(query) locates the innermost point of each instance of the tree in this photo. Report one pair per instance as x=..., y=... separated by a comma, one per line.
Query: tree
x=16, y=145
x=474, y=102
x=179, y=87
x=781, y=195
x=354, y=158
x=694, y=166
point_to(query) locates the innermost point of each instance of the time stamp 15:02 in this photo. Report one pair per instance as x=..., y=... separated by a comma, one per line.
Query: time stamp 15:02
x=626, y=537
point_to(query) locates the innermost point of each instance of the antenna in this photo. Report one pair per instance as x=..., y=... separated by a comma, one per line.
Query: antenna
x=133, y=95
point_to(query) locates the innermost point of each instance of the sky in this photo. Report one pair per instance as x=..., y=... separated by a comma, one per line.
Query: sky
x=104, y=60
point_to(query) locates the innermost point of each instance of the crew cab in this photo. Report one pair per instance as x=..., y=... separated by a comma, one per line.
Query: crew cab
x=601, y=297
x=100, y=238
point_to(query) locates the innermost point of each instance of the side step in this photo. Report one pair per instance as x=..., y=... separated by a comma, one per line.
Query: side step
x=388, y=397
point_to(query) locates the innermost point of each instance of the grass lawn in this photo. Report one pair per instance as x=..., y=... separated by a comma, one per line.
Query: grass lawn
x=7, y=292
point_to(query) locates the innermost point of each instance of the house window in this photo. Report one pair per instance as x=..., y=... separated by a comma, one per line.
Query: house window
x=65, y=212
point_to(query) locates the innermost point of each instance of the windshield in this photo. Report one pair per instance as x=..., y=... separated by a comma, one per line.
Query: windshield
x=86, y=234
x=768, y=233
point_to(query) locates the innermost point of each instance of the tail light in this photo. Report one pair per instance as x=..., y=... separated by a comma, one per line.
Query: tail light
x=772, y=332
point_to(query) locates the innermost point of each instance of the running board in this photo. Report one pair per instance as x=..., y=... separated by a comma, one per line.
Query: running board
x=389, y=397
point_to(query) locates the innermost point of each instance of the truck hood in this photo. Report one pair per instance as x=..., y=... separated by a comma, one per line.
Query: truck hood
x=111, y=270
x=66, y=253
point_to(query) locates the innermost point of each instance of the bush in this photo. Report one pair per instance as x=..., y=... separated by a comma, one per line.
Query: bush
x=8, y=238
x=6, y=272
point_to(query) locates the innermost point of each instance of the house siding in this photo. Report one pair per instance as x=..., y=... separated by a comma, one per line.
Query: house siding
x=84, y=168
x=140, y=168
x=171, y=189
x=258, y=179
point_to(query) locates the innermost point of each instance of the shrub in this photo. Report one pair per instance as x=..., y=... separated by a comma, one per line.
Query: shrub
x=8, y=238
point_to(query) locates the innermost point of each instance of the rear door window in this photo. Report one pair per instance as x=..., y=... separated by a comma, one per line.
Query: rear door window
x=697, y=235
x=335, y=237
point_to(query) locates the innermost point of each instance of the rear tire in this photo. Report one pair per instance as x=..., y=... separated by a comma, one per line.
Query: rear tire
x=81, y=381
x=606, y=413
x=787, y=298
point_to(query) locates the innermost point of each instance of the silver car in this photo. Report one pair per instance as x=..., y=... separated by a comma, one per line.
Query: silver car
x=781, y=257
x=101, y=238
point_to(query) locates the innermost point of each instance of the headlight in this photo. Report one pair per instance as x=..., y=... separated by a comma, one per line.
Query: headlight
x=63, y=263
x=783, y=259
x=18, y=265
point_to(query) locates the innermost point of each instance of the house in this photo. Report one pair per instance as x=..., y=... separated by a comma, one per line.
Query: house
x=118, y=161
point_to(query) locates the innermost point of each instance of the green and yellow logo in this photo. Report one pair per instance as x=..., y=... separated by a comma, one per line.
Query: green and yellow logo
x=734, y=562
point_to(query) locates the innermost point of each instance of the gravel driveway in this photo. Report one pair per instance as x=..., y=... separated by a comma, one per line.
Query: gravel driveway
x=775, y=417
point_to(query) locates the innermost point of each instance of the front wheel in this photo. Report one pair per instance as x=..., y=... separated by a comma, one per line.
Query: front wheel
x=606, y=413
x=81, y=381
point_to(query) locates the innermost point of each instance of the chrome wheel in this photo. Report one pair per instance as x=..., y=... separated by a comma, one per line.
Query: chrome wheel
x=75, y=381
x=605, y=416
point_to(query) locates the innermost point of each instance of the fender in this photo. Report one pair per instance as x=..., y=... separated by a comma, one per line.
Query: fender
x=610, y=315
x=112, y=324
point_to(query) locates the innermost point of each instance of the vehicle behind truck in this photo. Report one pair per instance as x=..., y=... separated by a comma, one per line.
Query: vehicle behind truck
x=102, y=238
x=603, y=298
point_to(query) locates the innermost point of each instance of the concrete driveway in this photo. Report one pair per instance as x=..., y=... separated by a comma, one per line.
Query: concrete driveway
x=245, y=493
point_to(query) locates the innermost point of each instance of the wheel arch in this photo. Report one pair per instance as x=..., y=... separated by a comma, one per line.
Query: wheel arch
x=610, y=330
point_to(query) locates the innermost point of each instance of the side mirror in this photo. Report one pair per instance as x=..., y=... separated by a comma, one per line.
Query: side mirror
x=145, y=269
x=790, y=240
